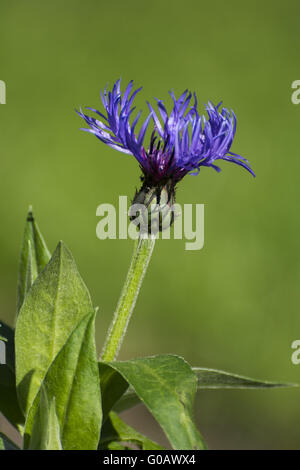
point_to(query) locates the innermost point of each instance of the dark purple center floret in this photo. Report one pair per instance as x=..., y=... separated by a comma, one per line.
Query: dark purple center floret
x=180, y=143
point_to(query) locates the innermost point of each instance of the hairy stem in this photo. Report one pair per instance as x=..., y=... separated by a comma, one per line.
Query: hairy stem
x=142, y=252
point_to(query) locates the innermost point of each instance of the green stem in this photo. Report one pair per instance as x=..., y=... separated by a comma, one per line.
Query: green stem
x=141, y=256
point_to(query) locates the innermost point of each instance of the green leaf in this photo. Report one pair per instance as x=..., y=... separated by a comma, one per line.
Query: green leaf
x=34, y=257
x=115, y=432
x=46, y=431
x=55, y=304
x=73, y=380
x=54, y=442
x=167, y=386
x=214, y=379
x=7, y=444
x=207, y=379
x=113, y=386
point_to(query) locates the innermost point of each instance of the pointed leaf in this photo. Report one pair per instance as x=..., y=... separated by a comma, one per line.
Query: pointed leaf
x=167, y=386
x=73, y=380
x=56, y=303
x=115, y=431
x=54, y=441
x=207, y=379
x=31, y=273
x=46, y=431
x=213, y=379
x=34, y=257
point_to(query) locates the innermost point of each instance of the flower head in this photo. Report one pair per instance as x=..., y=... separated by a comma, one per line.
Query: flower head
x=181, y=142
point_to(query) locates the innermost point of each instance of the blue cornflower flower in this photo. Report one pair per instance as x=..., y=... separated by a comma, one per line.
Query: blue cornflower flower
x=180, y=143
x=185, y=142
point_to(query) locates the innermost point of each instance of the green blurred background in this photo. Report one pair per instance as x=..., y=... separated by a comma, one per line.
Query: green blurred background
x=233, y=305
